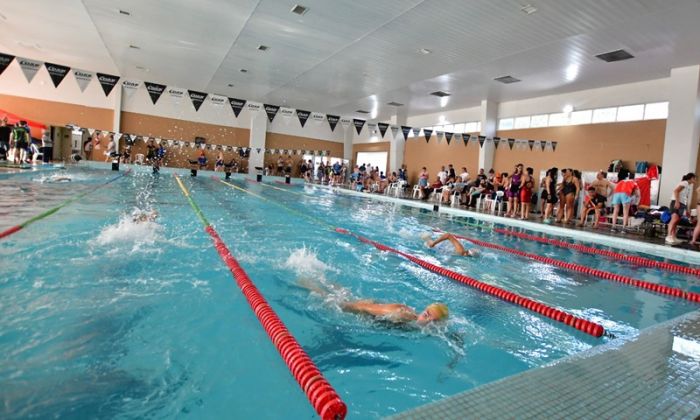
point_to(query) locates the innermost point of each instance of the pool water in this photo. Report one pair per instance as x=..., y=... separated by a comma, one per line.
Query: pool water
x=104, y=317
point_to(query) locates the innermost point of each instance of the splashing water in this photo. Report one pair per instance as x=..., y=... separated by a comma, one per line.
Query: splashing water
x=128, y=232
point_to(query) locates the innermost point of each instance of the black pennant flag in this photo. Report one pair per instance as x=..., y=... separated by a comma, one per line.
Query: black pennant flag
x=57, y=72
x=358, y=125
x=197, y=98
x=465, y=138
x=427, y=134
x=5, y=60
x=303, y=116
x=236, y=105
x=154, y=91
x=448, y=137
x=511, y=142
x=332, y=120
x=530, y=143
x=406, y=131
x=496, y=140
x=554, y=146
x=482, y=139
x=107, y=81
x=271, y=111
x=382, y=128
x=542, y=145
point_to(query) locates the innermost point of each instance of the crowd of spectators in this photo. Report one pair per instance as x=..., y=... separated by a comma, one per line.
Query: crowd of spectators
x=17, y=145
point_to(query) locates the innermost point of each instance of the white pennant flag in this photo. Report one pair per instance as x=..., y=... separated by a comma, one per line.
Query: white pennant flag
x=318, y=117
x=182, y=144
x=117, y=136
x=253, y=106
x=170, y=143
x=133, y=137
x=157, y=140
x=345, y=122
x=29, y=67
x=394, y=131
x=130, y=86
x=83, y=78
x=91, y=131
x=145, y=139
x=217, y=100
x=204, y=146
x=286, y=112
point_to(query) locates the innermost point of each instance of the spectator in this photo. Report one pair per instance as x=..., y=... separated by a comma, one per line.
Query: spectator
x=219, y=165
x=5, y=131
x=679, y=206
x=403, y=174
x=602, y=185
x=46, y=145
x=111, y=151
x=20, y=139
x=442, y=174
x=593, y=202
x=622, y=197
x=423, y=181
x=87, y=148
x=201, y=159
x=570, y=188
x=550, y=182
x=528, y=185
x=464, y=175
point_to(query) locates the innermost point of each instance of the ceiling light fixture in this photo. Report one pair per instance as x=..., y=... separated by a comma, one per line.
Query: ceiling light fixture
x=617, y=55
x=299, y=10
x=440, y=93
x=528, y=9
x=393, y=103
x=263, y=47
x=124, y=12
x=424, y=51
x=572, y=72
x=568, y=109
x=230, y=85
x=244, y=71
x=134, y=47
x=507, y=79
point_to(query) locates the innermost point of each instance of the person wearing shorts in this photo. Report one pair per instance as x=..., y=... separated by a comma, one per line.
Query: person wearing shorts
x=622, y=198
x=679, y=206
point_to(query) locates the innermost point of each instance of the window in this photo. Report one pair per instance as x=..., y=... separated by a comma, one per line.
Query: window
x=559, y=119
x=522, y=122
x=373, y=159
x=656, y=111
x=581, y=117
x=459, y=128
x=478, y=126
x=604, y=115
x=539, y=121
x=630, y=113
x=505, y=124
x=472, y=127
x=449, y=128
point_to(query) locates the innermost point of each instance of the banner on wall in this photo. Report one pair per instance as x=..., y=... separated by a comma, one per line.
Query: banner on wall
x=82, y=78
x=130, y=86
x=154, y=90
x=394, y=131
x=358, y=123
x=117, y=136
x=511, y=142
x=465, y=138
x=57, y=73
x=496, y=142
x=271, y=111
x=197, y=98
x=406, y=131
x=554, y=146
x=448, y=137
x=318, y=117
x=542, y=144
x=107, y=81
x=303, y=116
x=217, y=100
x=482, y=139
x=416, y=131
x=382, y=128
x=5, y=60
x=29, y=67
x=176, y=93
x=531, y=143
x=236, y=105
x=345, y=122
x=286, y=113
x=253, y=106
x=332, y=121
x=427, y=133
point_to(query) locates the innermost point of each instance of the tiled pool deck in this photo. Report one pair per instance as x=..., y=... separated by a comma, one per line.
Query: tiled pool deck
x=652, y=376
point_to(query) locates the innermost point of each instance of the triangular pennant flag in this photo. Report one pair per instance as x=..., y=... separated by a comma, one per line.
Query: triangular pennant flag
x=83, y=78
x=345, y=122
x=332, y=120
x=130, y=86
x=217, y=100
x=427, y=133
x=176, y=93
x=107, y=81
x=448, y=137
x=157, y=140
x=358, y=124
x=303, y=116
x=5, y=60
x=271, y=111
x=439, y=133
x=416, y=131
x=554, y=146
x=530, y=143
x=257, y=149
x=465, y=138
x=145, y=139
x=133, y=137
x=496, y=141
x=286, y=113
x=482, y=139
x=511, y=142
x=394, y=131
x=197, y=98
x=154, y=91
x=382, y=128
x=542, y=145
x=236, y=105
x=170, y=143
x=318, y=117
x=29, y=67
x=299, y=152
x=117, y=136
x=57, y=72
x=91, y=131
x=406, y=131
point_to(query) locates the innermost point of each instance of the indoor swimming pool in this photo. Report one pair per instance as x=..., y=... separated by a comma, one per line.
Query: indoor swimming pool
x=105, y=316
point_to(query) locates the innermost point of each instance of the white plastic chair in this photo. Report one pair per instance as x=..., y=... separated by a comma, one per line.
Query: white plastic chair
x=416, y=191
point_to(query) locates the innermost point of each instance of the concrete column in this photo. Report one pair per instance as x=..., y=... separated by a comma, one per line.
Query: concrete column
x=117, y=117
x=348, y=135
x=489, y=118
x=682, y=129
x=258, y=130
x=397, y=145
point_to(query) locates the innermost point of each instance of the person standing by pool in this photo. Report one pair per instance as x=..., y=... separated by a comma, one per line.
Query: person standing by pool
x=202, y=160
x=20, y=139
x=5, y=131
x=679, y=206
x=111, y=149
x=526, y=193
x=46, y=145
x=622, y=197
x=219, y=162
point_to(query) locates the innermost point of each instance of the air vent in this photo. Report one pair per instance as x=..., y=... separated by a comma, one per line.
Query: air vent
x=612, y=56
x=440, y=94
x=124, y=12
x=299, y=10
x=392, y=103
x=244, y=71
x=263, y=48
x=528, y=9
x=361, y=111
x=507, y=79
x=230, y=85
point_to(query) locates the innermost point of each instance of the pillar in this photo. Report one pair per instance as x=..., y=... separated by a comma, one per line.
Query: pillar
x=258, y=130
x=397, y=145
x=347, y=145
x=117, y=116
x=489, y=118
x=682, y=129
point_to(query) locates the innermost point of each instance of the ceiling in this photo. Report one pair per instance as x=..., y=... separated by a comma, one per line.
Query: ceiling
x=345, y=55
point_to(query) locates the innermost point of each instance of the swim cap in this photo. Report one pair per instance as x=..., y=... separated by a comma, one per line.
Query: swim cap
x=440, y=309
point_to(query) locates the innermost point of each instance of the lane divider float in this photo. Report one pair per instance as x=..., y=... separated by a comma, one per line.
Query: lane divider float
x=610, y=254
x=654, y=287
x=318, y=390
x=14, y=229
x=589, y=327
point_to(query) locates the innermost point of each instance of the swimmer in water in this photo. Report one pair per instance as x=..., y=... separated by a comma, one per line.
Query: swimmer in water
x=144, y=216
x=459, y=248
x=397, y=313
x=60, y=179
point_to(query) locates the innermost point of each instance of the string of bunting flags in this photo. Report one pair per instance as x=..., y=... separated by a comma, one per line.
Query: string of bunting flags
x=155, y=91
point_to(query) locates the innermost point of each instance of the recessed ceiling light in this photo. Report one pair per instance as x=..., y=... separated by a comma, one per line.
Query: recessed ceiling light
x=244, y=71
x=134, y=47
x=299, y=9
x=424, y=51
x=392, y=103
x=440, y=93
x=230, y=85
x=124, y=12
x=507, y=79
x=263, y=48
x=617, y=55
x=528, y=9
